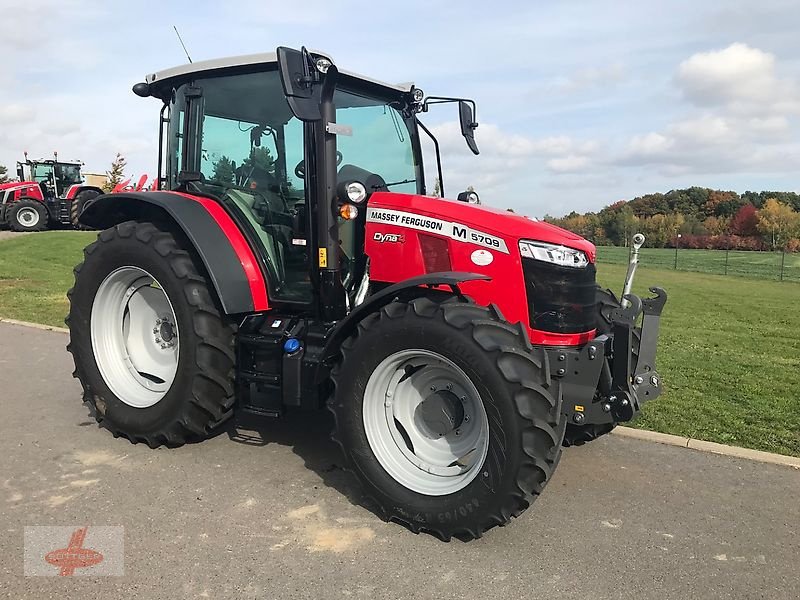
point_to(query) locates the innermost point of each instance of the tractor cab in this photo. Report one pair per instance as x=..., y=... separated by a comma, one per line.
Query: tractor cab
x=237, y=130
x=53, y=176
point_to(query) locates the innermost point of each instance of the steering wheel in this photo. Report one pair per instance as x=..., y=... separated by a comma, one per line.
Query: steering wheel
x=300, y=169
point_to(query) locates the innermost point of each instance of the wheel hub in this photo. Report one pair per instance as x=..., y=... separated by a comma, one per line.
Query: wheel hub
x=440, y=413
x=164, y=332
x=28, y=217
x=425, y=422
x=135, y=336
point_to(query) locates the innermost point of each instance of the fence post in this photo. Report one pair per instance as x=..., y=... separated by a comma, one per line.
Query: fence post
x=783, y=262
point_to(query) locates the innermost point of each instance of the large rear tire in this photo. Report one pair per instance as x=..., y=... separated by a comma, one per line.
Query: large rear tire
x=76, y=207
x=27, y=215
x=151, y=348
x=444, y=413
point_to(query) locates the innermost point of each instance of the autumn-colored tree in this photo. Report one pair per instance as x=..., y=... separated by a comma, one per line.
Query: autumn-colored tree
x=777, y=222
x=745, y=221
x=116, y=175
x=716, y=225
x=718, y=203
x=3, y=174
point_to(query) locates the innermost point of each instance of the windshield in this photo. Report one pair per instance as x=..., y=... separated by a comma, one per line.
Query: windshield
x=250, y=152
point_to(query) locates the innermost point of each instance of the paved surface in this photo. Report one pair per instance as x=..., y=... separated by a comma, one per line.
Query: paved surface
x=6, y=234
x=268, y=514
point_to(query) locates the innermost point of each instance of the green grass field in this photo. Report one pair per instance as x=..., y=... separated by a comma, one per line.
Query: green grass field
x=729, y=351
x=36, y=272
x=762, y=265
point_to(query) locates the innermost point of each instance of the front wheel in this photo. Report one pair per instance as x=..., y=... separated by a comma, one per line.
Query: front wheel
x=27, y=215
x=151, y=348
x=76, y=207
x=444, y=413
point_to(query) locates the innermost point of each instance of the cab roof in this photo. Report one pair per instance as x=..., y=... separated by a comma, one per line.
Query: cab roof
x=264, y=58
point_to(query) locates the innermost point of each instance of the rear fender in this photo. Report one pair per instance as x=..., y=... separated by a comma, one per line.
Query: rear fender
x=228, y=258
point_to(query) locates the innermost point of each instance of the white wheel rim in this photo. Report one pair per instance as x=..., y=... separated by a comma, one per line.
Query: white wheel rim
x=135, y=336
x=28, y=217
x=419, y=453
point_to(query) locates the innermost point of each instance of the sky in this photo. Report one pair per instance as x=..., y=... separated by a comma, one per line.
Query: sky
x=580, y=103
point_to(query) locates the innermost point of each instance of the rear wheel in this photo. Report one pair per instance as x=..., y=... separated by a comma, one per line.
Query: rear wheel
x=27, y=215
x=444, y=414
x=76, y=207
x=151, y=349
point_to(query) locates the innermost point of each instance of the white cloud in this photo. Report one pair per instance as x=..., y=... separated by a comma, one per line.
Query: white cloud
x=568, y=164
x=590, y=77
x=11, y=114
x=739, y=78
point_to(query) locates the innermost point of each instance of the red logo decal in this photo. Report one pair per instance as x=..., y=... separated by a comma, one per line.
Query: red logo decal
x=74, y=556
x=391, y=238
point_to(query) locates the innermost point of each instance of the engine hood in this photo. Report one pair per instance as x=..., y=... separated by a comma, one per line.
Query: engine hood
x=494, y=221
x=14, y=184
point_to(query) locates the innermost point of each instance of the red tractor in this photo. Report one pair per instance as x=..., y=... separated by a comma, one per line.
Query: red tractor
x=49, y=193
x=292, y=259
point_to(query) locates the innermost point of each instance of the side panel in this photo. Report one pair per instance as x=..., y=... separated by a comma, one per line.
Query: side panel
x=228, y=258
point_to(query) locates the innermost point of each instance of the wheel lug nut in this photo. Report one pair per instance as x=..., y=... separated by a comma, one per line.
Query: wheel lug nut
x=463, y=398
x=639, y=379
x=466, y=418
x=449, y=386
x=433, y=388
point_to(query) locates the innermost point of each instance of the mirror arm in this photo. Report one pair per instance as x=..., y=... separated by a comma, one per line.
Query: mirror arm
x=445, y=100
x=438, y=155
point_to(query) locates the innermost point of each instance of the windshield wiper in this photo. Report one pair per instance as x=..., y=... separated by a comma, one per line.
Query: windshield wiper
x=396, y=183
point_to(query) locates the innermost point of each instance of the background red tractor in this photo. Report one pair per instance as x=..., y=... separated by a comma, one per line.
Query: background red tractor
x=292, y=259
x=49, y=193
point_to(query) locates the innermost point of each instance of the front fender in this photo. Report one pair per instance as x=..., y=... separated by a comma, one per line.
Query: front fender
x=406, y=289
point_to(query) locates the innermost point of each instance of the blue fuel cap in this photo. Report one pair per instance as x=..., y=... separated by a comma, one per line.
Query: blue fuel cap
x=291, y=345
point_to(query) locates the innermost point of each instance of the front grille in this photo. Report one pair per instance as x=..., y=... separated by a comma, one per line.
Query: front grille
x=560, y=299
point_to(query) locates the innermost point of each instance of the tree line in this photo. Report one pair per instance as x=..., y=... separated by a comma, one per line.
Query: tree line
x=695, y=217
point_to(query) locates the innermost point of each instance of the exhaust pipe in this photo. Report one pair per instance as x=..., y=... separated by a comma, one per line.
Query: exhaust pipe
x=633, y=261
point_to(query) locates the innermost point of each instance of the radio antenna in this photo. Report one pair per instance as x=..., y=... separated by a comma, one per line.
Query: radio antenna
x=182, y=44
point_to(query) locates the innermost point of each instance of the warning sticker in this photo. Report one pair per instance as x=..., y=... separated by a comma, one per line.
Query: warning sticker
x=323, y=258
x=455, y=231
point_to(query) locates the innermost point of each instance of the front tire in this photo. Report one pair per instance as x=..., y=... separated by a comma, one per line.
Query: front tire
x=76, y=207
x=27, y=215
x=168, y=381
x=445, y=474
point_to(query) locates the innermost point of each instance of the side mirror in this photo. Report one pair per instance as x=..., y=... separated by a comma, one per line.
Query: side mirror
x=298, y=75
x=468, y=125
x=20, y=174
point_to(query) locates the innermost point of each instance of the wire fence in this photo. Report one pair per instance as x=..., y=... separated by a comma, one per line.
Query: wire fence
x=779, y=266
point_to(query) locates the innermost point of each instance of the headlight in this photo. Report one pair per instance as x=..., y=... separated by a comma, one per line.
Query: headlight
x=356, y=192
x=554, y=254
x=323, y=64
